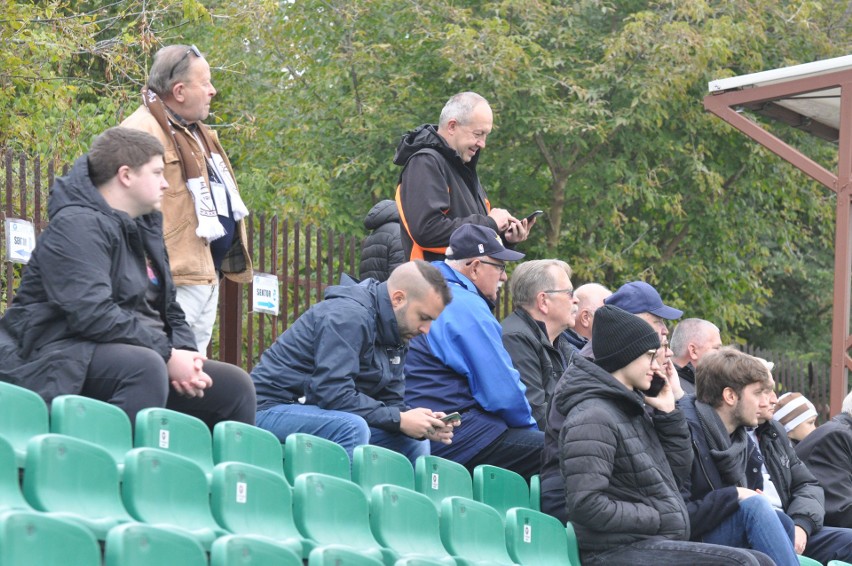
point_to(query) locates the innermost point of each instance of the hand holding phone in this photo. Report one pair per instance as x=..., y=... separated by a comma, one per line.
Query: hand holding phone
x=451, y=418
x=657, y=384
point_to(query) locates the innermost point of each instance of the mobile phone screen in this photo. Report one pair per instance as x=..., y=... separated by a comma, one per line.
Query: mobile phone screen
x=533, y=215
x=657, y=384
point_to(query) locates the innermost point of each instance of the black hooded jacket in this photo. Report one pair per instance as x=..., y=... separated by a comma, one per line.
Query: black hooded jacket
x=86, y=284
x=381, y=251
x=438, y=192
x=622, y=468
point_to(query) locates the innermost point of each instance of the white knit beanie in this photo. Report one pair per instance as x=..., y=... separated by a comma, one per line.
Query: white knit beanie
x=793, y=409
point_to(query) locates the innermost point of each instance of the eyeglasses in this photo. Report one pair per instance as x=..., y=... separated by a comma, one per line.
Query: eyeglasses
x=569, y=292
x=652, y=355
x=192, y=49
x=500, y=266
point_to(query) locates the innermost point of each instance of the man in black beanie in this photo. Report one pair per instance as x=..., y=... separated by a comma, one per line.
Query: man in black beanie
x=622, y=469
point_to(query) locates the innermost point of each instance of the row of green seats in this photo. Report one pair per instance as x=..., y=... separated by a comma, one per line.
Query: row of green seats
x=32, y=538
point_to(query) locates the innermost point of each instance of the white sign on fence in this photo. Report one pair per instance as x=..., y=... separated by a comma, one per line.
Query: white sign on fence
x=265, y=293
x=20, y=240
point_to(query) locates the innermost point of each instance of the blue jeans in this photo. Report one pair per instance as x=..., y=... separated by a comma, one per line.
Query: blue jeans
x=346, y=429
x=757, y=525
x=830, y=543
x=517, y=449
x=656, y=551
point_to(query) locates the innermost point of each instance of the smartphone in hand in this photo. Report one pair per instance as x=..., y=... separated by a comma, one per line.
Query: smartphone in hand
x=657, y=384
x=533, y=214
x=451, y=418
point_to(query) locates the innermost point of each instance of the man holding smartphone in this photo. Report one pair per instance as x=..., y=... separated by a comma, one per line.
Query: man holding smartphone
x=439, y=189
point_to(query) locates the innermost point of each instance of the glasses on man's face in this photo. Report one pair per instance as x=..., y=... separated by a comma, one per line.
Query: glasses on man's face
x=652, y=355
x=569, y=292
x=192, y=49
x=500, y=266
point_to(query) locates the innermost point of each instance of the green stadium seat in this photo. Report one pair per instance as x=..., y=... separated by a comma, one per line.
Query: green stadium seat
x=375, y=465
x=241, y=550
x=138, y=544
x=96, y=421
x=534, y=538
x=473, y=532
x=176, y=432
x=438, y=478
x=337, y=555
x=27, y=537
x=248, y=500
x=838, y=563
x=573, y=545
x=805, y=561
x=239, y=442
x=420, y=561
x=74, y=479
x=406, y=522
x=10, y=483
x=23, y=415
x=500, y=488
x=164, y=489
x=535, y=493
x=305, y=453
x=331, y=510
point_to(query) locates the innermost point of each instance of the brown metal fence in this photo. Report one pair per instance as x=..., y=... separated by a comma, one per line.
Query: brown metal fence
x=305, y=260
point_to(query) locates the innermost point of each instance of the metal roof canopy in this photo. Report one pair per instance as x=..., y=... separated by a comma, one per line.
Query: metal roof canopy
x=817, y=98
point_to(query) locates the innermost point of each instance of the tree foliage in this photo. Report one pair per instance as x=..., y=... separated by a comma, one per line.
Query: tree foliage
x=598, y=120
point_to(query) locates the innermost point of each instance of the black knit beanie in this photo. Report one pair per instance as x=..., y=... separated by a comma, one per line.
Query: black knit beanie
x=619, y=337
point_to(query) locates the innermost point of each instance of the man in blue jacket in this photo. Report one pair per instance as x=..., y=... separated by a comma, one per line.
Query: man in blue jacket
x=338, y=371
x=462, y=365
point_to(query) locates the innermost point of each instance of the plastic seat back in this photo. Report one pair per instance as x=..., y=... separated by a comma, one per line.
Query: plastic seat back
x=95, y=421
x=331, y=510
x=500, y=488
x=27, y=537
x=23, y=415
x=535, y=493
x=163, y=488
x=305, y=453
x=10, y=484
x=438, y=478
x=138, y=544
x=249, y=500
x=239, y=442
x=837, y=563
x=75, y=478
x=375, y=465
x=473, y=531
x=240, y=550
x=337, y=555
x=406, y=522
x=535, y=538
x=175, y=432
x=805, y=561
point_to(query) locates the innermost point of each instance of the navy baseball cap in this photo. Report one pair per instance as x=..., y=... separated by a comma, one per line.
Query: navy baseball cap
x=638, y=297
x=473, y=240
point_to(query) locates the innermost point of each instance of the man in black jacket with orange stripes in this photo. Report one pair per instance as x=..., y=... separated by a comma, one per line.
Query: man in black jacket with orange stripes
x=439, y=189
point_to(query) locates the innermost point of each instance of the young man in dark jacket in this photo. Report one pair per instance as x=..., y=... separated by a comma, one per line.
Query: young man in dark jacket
x=96, y=313
x=439, y=188
x=731, y=389
x=623, y=468
x=827, y=452
x=792, y=488
x=337, y=372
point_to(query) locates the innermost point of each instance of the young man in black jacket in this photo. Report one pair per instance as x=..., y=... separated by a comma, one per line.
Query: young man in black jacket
x=622, y=468
x=791, y=487
x=96, y=313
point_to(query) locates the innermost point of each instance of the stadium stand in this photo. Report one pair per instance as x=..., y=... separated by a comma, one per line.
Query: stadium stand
x=375, y=465
x=304, y=453
x=95, y=421
x=239, y=442
x=138, y=544
x=438, y=478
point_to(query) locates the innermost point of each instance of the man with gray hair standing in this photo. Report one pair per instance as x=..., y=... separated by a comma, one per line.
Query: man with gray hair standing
x=202, y=210
x=692, y=338
x=439, y=189
x=545, y=307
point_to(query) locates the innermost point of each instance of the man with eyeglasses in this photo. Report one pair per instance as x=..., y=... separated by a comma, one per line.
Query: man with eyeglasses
x=622, y=471
x=462, y=366
x=439, y=189
x=544, y=307
x=202, y=210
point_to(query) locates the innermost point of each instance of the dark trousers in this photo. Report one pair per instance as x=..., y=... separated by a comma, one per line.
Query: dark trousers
x=830, y=543
x=656, y=551
x=517, y=449
x=135, y=378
